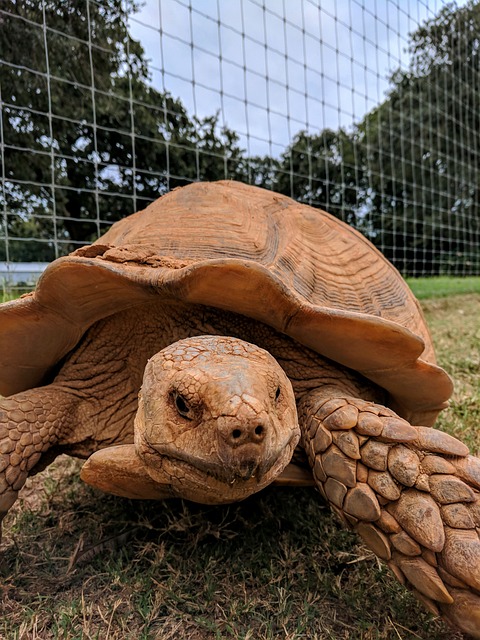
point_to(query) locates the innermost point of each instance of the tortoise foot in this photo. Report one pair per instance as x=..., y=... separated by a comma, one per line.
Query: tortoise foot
x=411, y=493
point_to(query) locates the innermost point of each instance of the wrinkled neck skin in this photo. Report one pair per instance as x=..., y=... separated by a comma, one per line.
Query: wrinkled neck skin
x=217, y=418
x=229, y=387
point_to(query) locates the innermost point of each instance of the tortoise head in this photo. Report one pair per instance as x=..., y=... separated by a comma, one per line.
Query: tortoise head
x=217, y=417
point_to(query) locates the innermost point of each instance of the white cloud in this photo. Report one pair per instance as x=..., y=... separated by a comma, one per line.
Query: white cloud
x=273, y=68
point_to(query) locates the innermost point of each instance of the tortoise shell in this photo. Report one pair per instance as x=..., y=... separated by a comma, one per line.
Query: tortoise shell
x=247, y=250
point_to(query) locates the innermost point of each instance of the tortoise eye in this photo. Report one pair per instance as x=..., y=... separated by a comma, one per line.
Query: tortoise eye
x=182, y=405
x=277, y=393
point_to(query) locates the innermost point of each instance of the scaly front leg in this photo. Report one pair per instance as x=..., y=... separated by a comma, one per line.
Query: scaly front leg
x=411, y=493
x=30, y=423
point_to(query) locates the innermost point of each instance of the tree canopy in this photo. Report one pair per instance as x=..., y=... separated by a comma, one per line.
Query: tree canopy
x=86, y=137
x=421, y=149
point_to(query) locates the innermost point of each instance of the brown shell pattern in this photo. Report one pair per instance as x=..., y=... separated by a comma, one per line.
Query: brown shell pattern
x=250, y=251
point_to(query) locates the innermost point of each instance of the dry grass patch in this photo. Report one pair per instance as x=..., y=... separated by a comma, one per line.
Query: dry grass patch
x=80, y=565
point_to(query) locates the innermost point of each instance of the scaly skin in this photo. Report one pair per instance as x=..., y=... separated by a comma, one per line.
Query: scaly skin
x=29, y=426
x=411, y=493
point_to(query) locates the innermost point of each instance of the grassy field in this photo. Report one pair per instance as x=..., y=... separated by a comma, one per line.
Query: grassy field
x=80, y=565
x=425, y=288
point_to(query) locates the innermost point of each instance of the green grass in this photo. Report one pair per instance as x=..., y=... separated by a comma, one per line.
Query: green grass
x=77, y=564
x=276, y=566
x=7, y=296
x=455, y=327
x=440, y=286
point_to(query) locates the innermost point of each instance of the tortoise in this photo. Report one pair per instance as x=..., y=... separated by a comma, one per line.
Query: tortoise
x=226, y=338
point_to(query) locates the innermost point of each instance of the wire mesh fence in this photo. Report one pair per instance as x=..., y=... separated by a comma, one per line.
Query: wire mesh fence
x=366, y=108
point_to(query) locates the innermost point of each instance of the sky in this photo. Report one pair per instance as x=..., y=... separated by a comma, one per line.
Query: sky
x=272, y=68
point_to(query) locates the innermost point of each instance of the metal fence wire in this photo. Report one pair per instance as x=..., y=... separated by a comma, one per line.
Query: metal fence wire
x=369, y=109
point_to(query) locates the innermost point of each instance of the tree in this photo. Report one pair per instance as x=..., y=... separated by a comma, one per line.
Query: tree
x=421, y=149
x=86, y=138
x=323, y=170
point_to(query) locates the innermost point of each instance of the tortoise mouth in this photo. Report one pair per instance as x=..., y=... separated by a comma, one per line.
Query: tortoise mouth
x=211, y=481
x=253, y=467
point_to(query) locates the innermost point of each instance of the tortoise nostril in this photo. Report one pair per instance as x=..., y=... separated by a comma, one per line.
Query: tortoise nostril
x=242, y=434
